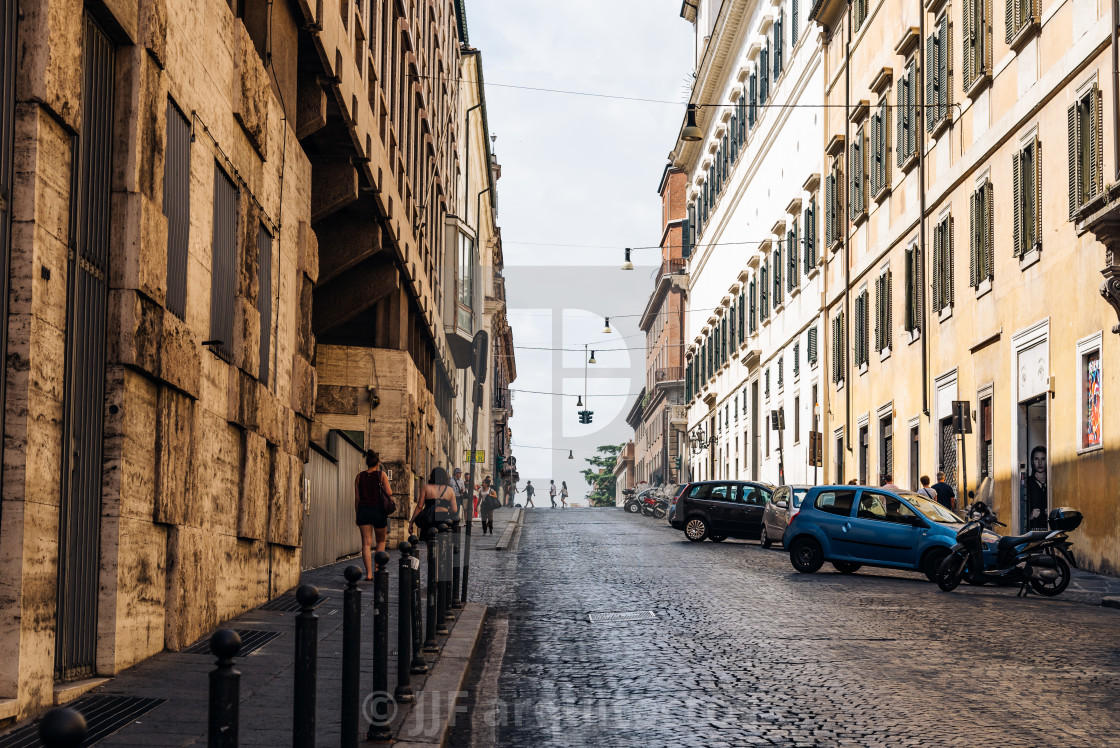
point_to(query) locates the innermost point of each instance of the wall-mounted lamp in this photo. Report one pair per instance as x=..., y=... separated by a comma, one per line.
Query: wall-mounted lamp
x=627, y=265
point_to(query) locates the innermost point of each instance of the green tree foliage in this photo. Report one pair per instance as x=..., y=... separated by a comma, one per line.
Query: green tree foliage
x=600, y=476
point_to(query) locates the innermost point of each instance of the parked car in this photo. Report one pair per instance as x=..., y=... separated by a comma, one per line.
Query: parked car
x=852, y=526
x=718, y=510
x=776, y=516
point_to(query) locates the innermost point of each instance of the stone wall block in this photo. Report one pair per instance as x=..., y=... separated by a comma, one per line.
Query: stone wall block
x=139, y=331
x=277, y=496
x=179, y=362
x=139, y=119
x=50, y=69
x=252, y=505
x=247, y=335
x=139, y=237
x=303, y=386
x=41, y=171
x=191, y=608
x=153, y=29
x=340, y=400
x=251, y=90
x=174, y=458
x=308, y=251
x=268, y=420
x=302, y=438
x=305, y=338
x=248, y=271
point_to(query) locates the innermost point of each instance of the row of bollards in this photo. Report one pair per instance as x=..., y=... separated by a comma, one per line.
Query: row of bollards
x=417, y=630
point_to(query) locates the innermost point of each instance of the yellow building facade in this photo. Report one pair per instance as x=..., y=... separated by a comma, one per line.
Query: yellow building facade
x=964, y=140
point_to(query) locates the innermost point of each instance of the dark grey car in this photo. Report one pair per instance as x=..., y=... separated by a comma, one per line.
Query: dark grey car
x=721, y=509
x=785, y=504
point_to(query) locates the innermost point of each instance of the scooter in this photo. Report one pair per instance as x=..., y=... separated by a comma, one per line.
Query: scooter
x=1034, y=561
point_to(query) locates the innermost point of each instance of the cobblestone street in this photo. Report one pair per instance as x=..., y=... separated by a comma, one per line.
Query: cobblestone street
x=743, y=650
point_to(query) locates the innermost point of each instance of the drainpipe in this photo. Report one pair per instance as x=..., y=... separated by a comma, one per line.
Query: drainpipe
x=1116, y=88
x=920, y=140
x=847, y=232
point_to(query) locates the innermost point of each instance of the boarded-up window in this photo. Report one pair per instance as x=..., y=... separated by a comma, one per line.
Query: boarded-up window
x=223, y=279
x=264, y=299
x=176, y=206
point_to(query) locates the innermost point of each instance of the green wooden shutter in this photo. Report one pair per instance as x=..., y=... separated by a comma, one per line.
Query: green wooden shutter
x=1012, y=15
x=908, y=279
x=1096, y=145
x=828, y=210
x=900, y=123
x=950, y=266
x=973, y=240
x=793, y=24
x=944, y=68
x=989, y=230
x=1037, y=191
x=912, y=109
x=889, y=290
x=879, y=313
x=873, y=170
x=1017, y=199
x=931, y=83
x=938, y=242
x=968, y=41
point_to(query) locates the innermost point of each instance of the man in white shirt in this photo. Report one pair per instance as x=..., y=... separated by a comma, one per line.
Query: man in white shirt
x=552, y=492
x=460, y=489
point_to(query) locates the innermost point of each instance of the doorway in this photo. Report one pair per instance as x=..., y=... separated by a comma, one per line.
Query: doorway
x=947, y=450
x=863, y=455
x=915, y=467
x=1034, y=486
x=84, y=389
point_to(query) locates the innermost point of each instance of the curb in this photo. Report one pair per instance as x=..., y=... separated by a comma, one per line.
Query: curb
x=430, y=720
x=1111, y=601
x=511, y=527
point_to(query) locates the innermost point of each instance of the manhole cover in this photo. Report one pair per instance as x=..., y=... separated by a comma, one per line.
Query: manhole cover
x=633, y=615
x=251, y=641
x=104, y=716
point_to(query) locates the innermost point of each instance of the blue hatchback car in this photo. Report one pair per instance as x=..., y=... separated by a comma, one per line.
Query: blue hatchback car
x=854, y=526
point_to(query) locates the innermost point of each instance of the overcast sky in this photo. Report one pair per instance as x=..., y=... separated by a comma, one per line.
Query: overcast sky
x=579, y=183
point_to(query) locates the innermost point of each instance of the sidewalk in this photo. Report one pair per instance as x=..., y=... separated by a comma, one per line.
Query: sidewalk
x=1096, y=588
x=179, y=680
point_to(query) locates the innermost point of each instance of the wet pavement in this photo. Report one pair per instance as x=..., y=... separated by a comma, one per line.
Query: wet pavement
x=742, y=650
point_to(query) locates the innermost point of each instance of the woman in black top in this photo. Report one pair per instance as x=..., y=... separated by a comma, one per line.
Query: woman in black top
x=438, y=490
x=371, y=494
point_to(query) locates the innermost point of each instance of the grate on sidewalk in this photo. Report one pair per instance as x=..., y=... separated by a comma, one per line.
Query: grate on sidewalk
x=104, y=716
x=634, y=615
x=251, y=641
x=289, y=604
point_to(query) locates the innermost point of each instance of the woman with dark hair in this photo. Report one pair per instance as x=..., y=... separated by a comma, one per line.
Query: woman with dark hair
x=563, y=494
x=1037, y=500
x=490, y=502
x=437, y=490
x=372, y=495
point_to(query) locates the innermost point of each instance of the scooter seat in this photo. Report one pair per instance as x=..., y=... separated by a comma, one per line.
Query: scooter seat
x=1014, y=540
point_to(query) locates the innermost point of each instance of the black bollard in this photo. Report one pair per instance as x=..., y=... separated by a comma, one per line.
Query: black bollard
x=432, y=539
x=62, y=727
x=446, y=582
x=403, y=693
x=225, y=690
x=351, y=656
x=466, y=564
x=455, y=560
x=307, y=658
x=418, y=666
x=441, y=563
x=379, y=725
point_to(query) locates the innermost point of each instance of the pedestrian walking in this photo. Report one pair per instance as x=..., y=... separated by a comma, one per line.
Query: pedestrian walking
x=373, y=503
x=460, y=487
x=552, y=492
x=946, y=496
x=925, y=490
x=888, y=483
x=563, y=494
x=436, y=502
x=529, y=491
x=490, y=502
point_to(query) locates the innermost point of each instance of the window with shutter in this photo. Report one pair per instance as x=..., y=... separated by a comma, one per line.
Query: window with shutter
x=742, y=316
x=938, y=237
x=908, y=279
x=777, y=270
x=859, y=13
x=764, y=83
x=828, y=199
x=176, y=206
x=753, y=306
x=888, y=311
x=857, y=197
x=686, y=233
x=796, y=358
x=811, y=356
x=881, y=149
x=1021, y=15
x=223, y=278
x=781, y=371
x=264, y=301
x=779, y=48
x=912, y=108
x=763, y=301
x=1085, y=142
x=811, y=235
x=879, y=314
x=989, y=231
x=752, y=116
x=793, y=23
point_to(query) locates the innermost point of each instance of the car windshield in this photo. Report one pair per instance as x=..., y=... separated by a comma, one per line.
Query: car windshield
x=931, y=509
x=799, y=496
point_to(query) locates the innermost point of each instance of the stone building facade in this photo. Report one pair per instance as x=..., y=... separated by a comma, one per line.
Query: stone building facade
x=754, y=280
x=228, y=228
x=956, y=247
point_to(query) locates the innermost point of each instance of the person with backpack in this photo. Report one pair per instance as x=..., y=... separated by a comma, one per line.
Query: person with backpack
x=925, y=490
x=435, y=504
x=529, y=491
x=490, y=502
x=552, y=492
x=373, y=503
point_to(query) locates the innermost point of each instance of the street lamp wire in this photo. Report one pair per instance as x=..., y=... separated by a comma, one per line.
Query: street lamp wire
x=562, y=394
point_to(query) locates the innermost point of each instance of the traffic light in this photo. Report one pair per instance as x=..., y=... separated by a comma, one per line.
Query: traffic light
x=501, y=462
x=585, y=416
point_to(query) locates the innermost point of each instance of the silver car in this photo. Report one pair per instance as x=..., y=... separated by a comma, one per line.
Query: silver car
x=785, y=503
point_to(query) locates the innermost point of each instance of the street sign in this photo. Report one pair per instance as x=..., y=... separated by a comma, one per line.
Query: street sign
x=962, y=417
x=816, y=451
x=479, y=456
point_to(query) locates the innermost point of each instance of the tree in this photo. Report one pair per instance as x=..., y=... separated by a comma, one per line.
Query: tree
x=600, y=476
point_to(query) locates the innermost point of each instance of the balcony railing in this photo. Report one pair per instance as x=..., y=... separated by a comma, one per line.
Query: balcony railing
x=501, y=400
x=671, y=265
x=669, y=374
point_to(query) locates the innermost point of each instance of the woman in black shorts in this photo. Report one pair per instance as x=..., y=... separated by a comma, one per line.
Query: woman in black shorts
x=371, y=491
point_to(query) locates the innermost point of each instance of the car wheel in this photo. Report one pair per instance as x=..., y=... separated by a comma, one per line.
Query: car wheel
x=696, y=529
x=806, y=555
x=764, y=539
x=846, y=567
x=1050, y=588
x=932, y=560
x=717, y=538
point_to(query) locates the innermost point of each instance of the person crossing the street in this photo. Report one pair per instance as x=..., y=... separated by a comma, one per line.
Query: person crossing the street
x=563, y=494
x=552, y=492
x=529, y=491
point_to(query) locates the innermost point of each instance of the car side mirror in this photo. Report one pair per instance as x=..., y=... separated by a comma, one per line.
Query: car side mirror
x=781, y=504
x=915, y=520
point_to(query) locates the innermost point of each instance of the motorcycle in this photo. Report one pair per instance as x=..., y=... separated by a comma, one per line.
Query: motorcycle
x=1038, y=560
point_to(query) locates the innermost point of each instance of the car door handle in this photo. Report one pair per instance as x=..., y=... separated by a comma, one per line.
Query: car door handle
x=847, y=526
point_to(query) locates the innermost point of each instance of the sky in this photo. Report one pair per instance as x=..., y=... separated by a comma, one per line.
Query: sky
x=579, y=183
